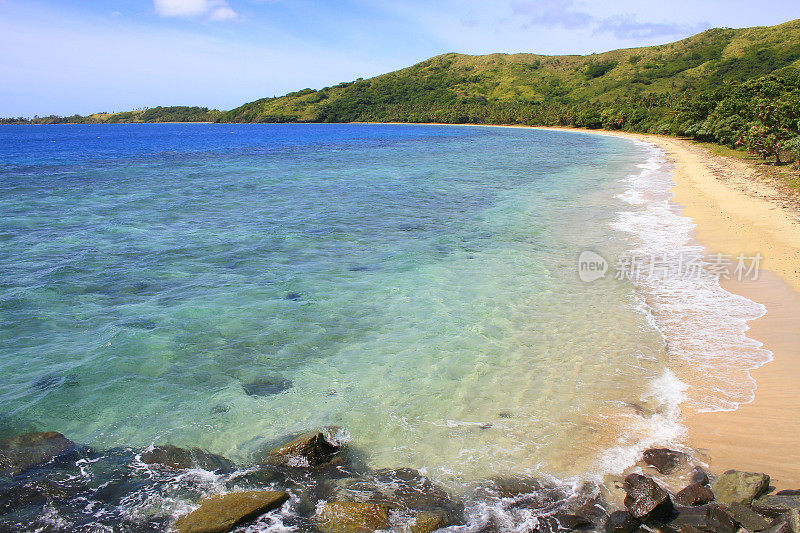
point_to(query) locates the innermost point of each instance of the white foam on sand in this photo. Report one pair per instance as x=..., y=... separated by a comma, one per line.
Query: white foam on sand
x=704, y=325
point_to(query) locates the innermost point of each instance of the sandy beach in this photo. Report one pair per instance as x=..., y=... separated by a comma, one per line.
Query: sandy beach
x=737, y=211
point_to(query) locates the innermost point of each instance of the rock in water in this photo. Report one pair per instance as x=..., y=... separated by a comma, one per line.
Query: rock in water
x=403, y=489
x=694, y=494
x=780, y=525
x=352, y=517
x=219, y=514
x=23, y=452
x=426, y=522
x=774, y=504
x=314, y=448
x=711, y=518
x=621, y=522
x=699, y=476
x=267, y=386
x=183, y=459
x=742, y=487
x=646, y=500
x=664, y=460
x=747, y=518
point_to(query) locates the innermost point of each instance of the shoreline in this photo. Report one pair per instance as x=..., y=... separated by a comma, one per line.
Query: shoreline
x=735, y=214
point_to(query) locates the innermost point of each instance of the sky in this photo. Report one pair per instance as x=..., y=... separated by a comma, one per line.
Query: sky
x=64, y=57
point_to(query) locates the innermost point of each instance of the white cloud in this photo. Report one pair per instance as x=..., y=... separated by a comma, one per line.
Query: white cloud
x=216, y=10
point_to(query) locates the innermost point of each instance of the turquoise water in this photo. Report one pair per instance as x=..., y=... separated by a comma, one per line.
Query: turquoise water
x=223, y=285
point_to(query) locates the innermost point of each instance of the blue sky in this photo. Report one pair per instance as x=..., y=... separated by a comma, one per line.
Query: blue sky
x=83, y=56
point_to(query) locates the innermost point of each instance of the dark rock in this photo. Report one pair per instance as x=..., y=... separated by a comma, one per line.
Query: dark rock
x=593, y=510
x=399, y=488
x=699, y=476
x=711, y=518
x=646, y=500
x=220, y=409
x=516, y=486
x=793, y=516
x=293, y=296
x=694, y=494
x=141, y=323
x=183, y=459
x=621, y=522
x=258, y=477
x=220, y=514
x=352, y=517
x=788, y=492
x=742, y=487
x=571, y=522
x=774, y=504
x=36, y=492
x=747, y=518
x=780, y=525
x=267, y=386
x=23, y=452
x=664, y=460
x=47, y=382
x=314, y=448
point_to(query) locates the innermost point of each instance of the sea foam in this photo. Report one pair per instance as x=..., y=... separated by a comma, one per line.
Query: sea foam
x=703, y=324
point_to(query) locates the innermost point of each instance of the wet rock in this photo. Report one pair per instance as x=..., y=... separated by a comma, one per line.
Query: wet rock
x=780, y=525
x=522, y=486
x=313, y=448
x=258, y=477
x=400, y=488
x=572, y=522
x=36, y=492
x=664, y=460
x=593, y=510
x=183, y=459
x=774, y=504
x=747, y=518
x=793, y=515
x=742, y=487
x=699, y=476
x=219, y=514
x=426, y=522
x=646, y=500
x=788, y=492
x=621, y=522
x=352, y=517
x=711, y=518
x=267, y=386
x=694, y=494
x=23, y=452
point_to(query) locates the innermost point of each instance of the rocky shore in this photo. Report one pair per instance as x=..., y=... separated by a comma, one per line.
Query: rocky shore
x=314, y=482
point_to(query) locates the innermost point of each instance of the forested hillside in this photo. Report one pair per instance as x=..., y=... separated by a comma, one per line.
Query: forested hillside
x=152, y=114
x=733, y=86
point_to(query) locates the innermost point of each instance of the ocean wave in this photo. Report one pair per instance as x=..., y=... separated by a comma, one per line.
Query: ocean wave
x=703, y=324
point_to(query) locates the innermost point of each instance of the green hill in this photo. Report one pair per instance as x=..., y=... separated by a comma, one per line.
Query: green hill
x=718, y=86
x=152, y=114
